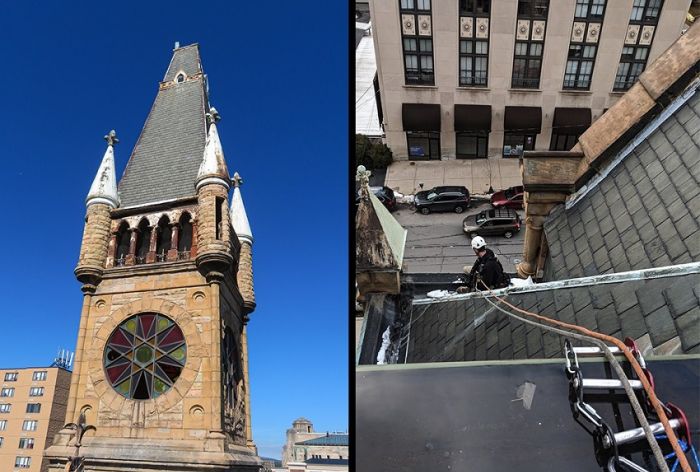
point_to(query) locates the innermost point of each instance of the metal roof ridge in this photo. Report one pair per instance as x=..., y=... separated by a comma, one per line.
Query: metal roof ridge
x=616, y=277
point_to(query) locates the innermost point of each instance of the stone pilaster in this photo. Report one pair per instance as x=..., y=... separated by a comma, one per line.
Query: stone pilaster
x=245, y=275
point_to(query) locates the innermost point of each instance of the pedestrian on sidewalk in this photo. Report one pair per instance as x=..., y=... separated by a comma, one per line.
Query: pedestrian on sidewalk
x=487, y=269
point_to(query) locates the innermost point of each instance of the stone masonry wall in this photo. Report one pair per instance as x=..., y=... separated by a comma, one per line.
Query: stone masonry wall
x=93, y=250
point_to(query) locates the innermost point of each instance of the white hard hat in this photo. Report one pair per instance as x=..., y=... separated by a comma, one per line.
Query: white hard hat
x=478, y=242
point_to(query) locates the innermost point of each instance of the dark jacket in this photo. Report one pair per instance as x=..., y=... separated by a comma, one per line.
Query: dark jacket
x=490, y=271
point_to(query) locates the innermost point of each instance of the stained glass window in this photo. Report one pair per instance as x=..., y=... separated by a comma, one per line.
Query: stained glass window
x=144, y=356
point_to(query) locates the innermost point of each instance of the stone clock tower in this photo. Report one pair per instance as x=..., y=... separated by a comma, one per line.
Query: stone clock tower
x=161, y=365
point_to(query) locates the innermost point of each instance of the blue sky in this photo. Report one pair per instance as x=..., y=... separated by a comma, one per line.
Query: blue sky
x=71, y=71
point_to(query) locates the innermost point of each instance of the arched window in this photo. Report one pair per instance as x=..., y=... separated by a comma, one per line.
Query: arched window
x=184, y=243
x=164, y=239
x=123, y=238
x=144, y=241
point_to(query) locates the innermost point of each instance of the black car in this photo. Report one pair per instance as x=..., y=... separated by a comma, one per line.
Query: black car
x=384, y=194
x=447, y=198
x=496, y=222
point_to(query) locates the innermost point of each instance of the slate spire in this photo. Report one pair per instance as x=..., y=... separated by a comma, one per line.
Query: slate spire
x=104, y=186
x=164, y=163
x=239, y=218
x=213, y=167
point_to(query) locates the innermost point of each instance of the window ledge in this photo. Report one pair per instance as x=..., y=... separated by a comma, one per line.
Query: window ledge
x=420, y=86
x=525, y=90
x=576, y=92
x=473, y=89
x=617, y=93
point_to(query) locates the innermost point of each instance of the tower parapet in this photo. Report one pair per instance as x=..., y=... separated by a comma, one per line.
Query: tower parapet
x=214, y=250
x=101, y=199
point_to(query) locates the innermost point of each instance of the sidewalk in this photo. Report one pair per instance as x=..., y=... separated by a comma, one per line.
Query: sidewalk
x=405, y=176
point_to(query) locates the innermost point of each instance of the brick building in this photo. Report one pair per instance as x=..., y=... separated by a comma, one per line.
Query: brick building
x=166, y=272
x=32, y=410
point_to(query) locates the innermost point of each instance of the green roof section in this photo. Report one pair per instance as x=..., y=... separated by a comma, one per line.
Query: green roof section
x=327, y=440
x=394, y=232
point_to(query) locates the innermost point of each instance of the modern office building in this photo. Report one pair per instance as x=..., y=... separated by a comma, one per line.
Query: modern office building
x=480, y=78
x=32, y=409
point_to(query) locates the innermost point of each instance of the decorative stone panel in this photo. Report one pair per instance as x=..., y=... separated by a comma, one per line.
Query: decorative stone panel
x=408, y=25
x=632, y=34
x=482, y=28
x=538, y=30
x=577, y=32
x=593, y=32
x=424, y=25
x=646, y=36
x=523, y=31
x=466, y=27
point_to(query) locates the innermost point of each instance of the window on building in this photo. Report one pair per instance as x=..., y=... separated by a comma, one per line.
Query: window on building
x=563, y=142
x=143, y=242
x=472, y=144
x=7, y=392
x=184, y=243
x=23, y=462
x=589, y=9
x=3, y=425
x=29, y=425
x=423, y=145
x=5, y=407
x=632, y=63
x=26, y=443
x=1, y=440
x=39, y=375
x=579, y=66
x=164, y=239
x=529, y=44
x=515, y=143
x=417, y=41
x=36, y=391
x=640, y=35
x=474, y=42
x=33, y=407
x=123, y=242
x=11, y=377
x=473, y=62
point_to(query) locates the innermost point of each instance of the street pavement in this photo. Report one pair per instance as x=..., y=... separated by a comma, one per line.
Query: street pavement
x=475, y=174
x=436, y=243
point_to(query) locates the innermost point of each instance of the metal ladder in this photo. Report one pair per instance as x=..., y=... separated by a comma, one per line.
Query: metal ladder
x=607, y=443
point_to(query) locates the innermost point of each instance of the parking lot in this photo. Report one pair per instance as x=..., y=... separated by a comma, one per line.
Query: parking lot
x=436, y=243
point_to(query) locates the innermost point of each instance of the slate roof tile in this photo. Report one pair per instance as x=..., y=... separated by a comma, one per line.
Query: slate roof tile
x=660, y=325
x=688, y=327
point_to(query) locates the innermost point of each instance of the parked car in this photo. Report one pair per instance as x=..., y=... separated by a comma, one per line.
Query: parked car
x=384, y=194
x=495, y=222
x=509, y=198
x=447, y=198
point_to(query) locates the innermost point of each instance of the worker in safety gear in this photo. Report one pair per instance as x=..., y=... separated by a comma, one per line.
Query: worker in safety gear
x=487, y=270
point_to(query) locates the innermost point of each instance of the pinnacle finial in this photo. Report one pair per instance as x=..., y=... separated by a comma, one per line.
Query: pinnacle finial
x=213, y=116
x=111, y=138
x=237, y=180
x=362, y=176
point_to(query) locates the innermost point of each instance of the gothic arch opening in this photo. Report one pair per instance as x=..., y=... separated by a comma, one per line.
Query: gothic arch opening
x=143, y=242
x=123, y=238
x=164, y=238
x=184, y=243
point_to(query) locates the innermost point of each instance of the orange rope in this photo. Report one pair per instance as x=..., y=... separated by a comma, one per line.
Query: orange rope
x=670, y=433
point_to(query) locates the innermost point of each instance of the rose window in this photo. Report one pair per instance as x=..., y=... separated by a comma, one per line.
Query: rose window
x=144, y=356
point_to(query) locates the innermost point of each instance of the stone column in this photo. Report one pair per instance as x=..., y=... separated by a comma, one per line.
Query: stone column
x=131, y=257
x=531, y=245
x=78, y=363
x=174, y=233
x=151, y=256
x=193, y=250
x=112, y=249
x=244, y=355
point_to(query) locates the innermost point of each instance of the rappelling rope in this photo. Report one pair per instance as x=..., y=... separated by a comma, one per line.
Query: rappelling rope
x=658, y=407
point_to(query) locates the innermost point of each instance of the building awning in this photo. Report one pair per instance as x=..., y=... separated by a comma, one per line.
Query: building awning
x=571, y=120
x=421, y=117
x=472, y=117
x=525, y=119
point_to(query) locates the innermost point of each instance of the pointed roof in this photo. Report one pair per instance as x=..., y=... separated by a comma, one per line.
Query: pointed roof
x=213, y=166
x=380, y=239
x=104, y=186
x=165, y=161
x=239, y=218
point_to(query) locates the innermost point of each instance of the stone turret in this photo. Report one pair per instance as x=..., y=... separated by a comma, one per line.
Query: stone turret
x=239, y=221
x=214, y=254
x=101, y=198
